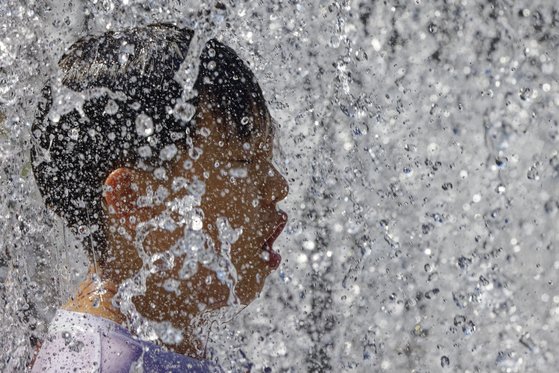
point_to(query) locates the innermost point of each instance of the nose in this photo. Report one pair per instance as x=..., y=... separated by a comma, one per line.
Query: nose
x=276, y=187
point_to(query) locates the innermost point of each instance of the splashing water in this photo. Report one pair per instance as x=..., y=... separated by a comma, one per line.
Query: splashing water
x=420, y=143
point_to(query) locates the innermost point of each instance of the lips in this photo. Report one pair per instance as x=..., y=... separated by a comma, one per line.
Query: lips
x=274, y=258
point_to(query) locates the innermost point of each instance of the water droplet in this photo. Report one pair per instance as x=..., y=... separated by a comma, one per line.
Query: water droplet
x=459, y=320
x=76, y=346
x=83, y=230
x=211, y=65
x=500, y=189
x=533, y=173
x=74, y=134
x=469, y=328
x=160, y=173
x=433, y=28
x=187, y=165
x=171, y=285
x=238, y=172
x=189, y=269
x=184, y=111
x=194, y=153
x=111, y=108
x=204, y=131
x=197, y=223
x=144, y=151
x=445, y=361
x=168, y=152
x=144, y=125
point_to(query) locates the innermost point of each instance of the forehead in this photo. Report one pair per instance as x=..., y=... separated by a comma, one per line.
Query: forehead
x=254, y=138
x=260, y=145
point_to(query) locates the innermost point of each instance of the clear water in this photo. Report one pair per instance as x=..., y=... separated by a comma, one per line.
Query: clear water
x=420, y=141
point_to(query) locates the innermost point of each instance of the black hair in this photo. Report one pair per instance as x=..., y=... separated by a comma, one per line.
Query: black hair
x=130, y=118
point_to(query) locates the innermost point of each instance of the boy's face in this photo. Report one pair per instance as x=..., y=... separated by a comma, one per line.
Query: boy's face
x=241, y=185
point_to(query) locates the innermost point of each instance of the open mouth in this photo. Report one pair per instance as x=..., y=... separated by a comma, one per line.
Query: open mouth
x=273, y=258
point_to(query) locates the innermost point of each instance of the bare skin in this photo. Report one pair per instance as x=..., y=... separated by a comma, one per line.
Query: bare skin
x=248, y=202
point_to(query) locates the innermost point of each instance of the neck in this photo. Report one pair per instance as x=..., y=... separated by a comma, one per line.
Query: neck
x=94, y=297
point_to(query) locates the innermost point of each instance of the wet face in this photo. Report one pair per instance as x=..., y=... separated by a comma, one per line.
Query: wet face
x=241, y=185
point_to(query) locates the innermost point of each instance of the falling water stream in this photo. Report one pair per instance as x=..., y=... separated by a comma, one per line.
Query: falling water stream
x=420, y=140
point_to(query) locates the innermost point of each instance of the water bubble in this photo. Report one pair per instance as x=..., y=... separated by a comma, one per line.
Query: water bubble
x=144, y=125
x=211, y=65
x=445, y=361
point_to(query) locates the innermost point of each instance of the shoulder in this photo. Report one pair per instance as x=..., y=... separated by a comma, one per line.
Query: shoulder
x=79, y=342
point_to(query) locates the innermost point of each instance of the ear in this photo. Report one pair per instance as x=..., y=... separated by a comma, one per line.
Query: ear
x=121, y=192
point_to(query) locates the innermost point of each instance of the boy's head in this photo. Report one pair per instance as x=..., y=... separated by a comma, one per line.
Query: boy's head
x=129, y=137
x=133, y=121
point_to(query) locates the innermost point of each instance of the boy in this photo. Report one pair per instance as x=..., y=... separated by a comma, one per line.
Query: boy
x=178, y=216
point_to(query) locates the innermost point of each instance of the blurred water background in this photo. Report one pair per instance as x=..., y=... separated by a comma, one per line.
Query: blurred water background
x=420, y=140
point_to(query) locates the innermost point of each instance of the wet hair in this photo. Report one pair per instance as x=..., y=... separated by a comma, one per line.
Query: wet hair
x=128, y=117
